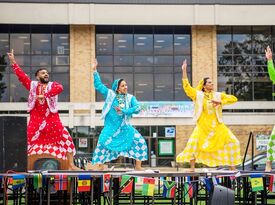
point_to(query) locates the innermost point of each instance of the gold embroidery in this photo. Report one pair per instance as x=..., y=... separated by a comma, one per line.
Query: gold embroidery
x=41, y=91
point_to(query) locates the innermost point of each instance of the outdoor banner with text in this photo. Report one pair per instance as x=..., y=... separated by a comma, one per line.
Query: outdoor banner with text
x=166, y=109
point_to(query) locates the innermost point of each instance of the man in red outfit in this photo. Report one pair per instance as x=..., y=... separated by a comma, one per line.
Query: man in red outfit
x=46, y=134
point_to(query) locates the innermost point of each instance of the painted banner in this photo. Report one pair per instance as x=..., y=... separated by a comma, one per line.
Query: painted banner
x=166, y=109
x=261, y=142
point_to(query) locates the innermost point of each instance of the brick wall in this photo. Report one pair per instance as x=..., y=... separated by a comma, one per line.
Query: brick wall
x=82, y=51
x=204, y=53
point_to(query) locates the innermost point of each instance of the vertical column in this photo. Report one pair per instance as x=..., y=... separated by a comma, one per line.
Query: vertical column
x=204, y=53
x=82, y=51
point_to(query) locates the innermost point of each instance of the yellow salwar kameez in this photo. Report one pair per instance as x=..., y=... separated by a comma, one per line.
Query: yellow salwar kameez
x=211, y=142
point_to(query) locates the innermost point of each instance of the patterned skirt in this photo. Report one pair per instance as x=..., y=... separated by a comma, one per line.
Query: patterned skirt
x=271, y=147
x=228, y=155
x=58, y=149
x=138, y=151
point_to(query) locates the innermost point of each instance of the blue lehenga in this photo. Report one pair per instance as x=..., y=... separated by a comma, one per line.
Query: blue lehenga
x=118, y=137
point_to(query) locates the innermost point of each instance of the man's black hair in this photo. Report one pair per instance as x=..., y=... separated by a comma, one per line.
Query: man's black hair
x=38, y=70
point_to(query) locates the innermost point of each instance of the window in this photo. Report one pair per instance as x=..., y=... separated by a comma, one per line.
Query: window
x=242, y=69
x=149, y=58
x=35, y=46
x=153, y=136
x=86, y=139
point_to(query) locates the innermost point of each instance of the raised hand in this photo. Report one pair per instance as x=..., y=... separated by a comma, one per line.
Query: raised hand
x=118, y=110
x=11, y=57
x=184, y=69
x=268, y=53
x=94, y=64
x=40, y=97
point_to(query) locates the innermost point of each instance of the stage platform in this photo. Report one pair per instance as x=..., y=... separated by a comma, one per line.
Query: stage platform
x=185, y=183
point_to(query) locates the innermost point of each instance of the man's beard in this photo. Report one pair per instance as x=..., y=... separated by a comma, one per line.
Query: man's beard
x=42, y=80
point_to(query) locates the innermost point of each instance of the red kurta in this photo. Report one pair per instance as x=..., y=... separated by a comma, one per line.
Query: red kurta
x=46, y=134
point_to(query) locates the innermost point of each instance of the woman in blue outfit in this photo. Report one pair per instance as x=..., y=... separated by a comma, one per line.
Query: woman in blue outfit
x=118, y=137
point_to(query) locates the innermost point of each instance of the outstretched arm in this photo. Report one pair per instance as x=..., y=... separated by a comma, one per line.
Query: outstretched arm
x=134, y=107
x=189, y=90
x=21, y=75
x=271, y=70
x=270, y=66
x=228, y=99
x=55, y=90
x=99, y=86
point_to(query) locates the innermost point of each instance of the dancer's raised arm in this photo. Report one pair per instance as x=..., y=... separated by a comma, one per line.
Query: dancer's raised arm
x=189, y=90
x=99, y=86
x=270, y=66
x=21, y=75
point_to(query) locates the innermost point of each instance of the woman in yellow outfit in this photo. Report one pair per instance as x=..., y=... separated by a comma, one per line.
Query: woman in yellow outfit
x=211, y=142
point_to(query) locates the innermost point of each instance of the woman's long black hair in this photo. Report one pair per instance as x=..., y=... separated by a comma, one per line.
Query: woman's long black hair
x=204, y=82
x=118, y=84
